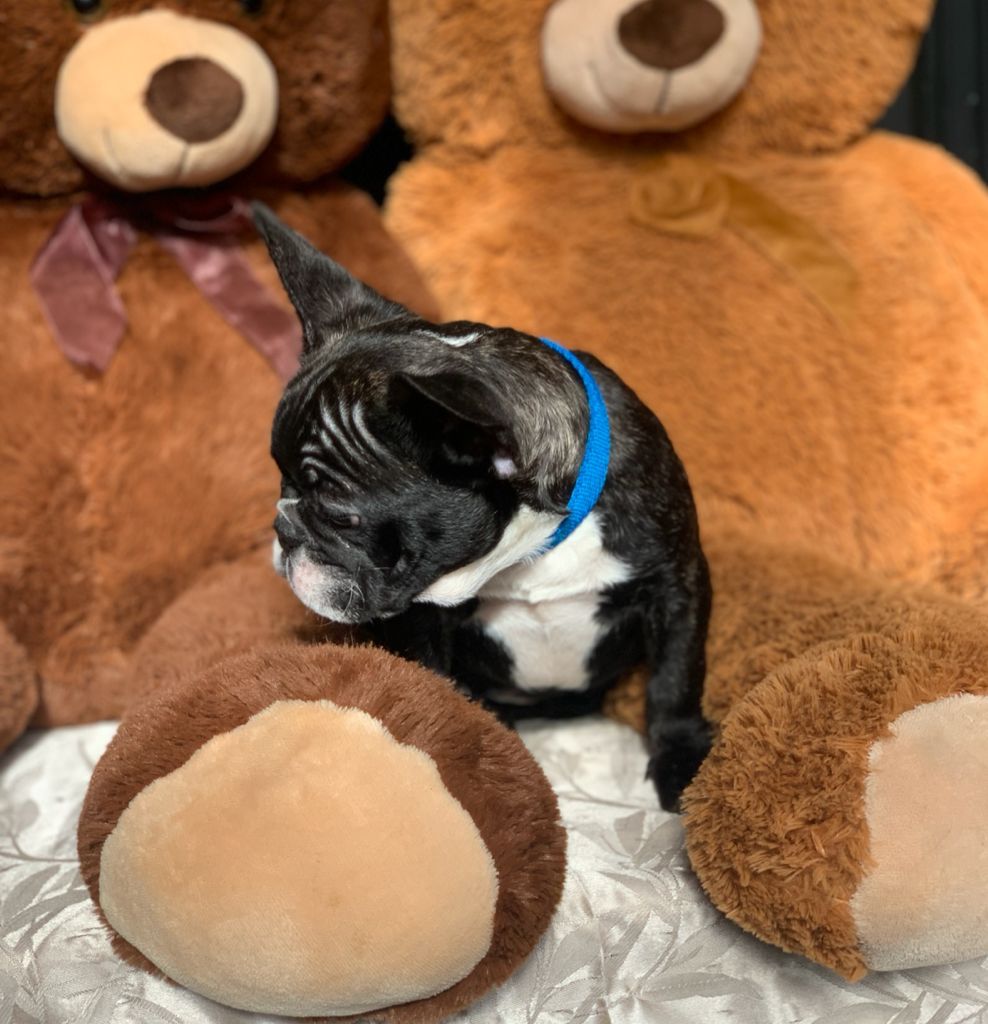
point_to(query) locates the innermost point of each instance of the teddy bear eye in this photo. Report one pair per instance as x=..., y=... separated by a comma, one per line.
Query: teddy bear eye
x=252, y=6
x=87, y=7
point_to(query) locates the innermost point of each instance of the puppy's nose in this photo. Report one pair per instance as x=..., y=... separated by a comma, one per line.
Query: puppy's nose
x=289, y=541
x=194, y=99
x=670, y=34
x=288, y=528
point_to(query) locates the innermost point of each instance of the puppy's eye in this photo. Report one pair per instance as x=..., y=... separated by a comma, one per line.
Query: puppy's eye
x=345, y=521
x=252, y=6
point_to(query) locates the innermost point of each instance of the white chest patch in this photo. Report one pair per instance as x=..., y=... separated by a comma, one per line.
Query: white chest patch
x=544, y=612
x=527, y=532
x=549, y=643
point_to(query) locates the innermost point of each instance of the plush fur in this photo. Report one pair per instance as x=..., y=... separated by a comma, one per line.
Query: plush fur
x=804, y=304
x=135, y=530
x=133, y=498
x=332, y=68
x=829, y=658
x=483, y=765
x=18, y=688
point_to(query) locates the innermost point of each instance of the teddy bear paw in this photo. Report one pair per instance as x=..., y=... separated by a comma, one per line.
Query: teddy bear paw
x=322, y=831
x=923, y=900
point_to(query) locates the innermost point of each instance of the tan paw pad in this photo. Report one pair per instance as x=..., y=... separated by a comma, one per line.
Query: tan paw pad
x=925, y=900
x=303, y=863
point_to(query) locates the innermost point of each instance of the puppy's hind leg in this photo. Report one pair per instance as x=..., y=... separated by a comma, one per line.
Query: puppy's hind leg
x=678, y=736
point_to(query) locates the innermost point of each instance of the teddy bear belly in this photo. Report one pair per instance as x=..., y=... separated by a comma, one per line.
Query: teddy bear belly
x=126, y=489
x=549, y=643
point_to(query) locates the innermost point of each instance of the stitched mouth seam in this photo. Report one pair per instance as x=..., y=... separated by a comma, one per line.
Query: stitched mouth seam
x=182, y=160
x=660, y=106
x=612, y=104
x=111, y=155
x=599, y=85
x=122, y=174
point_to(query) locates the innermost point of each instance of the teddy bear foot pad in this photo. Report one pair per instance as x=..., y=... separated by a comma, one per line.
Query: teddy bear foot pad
x=322, y=832
x=924, y=900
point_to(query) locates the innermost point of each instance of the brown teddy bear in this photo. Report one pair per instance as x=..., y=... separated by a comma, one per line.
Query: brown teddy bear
x=689, y=188
x=322, y=829
x=135, y=413
x=297, y=829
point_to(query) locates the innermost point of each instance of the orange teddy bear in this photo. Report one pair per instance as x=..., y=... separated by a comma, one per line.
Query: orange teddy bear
x=689, y=189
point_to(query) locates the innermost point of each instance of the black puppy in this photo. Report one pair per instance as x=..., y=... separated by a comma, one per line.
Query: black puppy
x=440, y=485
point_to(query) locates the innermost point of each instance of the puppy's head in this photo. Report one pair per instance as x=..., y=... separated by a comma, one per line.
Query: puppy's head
x=417, y=460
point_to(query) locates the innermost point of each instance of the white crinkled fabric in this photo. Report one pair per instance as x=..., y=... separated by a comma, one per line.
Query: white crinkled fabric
x=634, y=941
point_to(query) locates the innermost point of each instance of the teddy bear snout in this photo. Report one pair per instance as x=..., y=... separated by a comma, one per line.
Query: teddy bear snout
x=648, y=65
x=160, y=100
x=670, y=34
x=194, y=99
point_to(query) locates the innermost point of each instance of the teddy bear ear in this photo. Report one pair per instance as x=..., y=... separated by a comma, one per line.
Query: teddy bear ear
x=328, y=299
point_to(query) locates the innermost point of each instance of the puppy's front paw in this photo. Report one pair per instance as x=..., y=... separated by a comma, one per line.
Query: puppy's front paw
x=677, y=761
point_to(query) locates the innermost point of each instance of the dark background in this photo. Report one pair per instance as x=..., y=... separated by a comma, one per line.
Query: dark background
x=945, y=101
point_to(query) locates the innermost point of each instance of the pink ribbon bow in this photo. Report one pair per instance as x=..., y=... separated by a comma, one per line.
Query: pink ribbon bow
x=74, y=272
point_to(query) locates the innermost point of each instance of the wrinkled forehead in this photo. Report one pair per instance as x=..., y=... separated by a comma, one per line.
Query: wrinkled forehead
x=316, y=399
x=327, y=382
x=328, y=432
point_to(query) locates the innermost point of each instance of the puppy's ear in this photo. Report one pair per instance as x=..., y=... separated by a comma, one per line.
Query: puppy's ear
x=328, y=299
x=463, y=416
x=466, y=396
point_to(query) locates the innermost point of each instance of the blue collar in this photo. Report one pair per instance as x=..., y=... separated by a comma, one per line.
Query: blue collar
x=596, y=454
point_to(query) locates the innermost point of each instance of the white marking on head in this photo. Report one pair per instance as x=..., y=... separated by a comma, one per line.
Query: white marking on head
x=360, y=424
x=523, y=537
x=345, y=433
x=504, y=467
x=332, y=417
x=456, y=340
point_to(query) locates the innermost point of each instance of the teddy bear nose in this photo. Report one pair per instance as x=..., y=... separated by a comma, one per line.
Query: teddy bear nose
x=670, y=34
x=194, y=99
